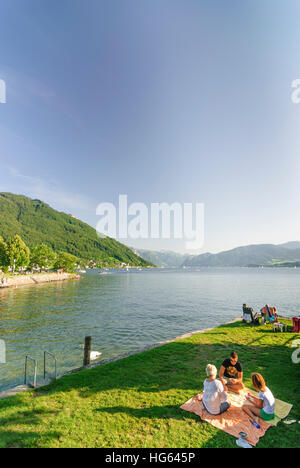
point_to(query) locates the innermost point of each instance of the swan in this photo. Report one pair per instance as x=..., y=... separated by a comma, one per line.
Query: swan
x=95, y=355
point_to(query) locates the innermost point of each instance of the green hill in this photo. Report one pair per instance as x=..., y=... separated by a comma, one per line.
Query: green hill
x=36, y=222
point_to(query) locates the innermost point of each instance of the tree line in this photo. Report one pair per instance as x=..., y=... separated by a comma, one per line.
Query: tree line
x=15, y=255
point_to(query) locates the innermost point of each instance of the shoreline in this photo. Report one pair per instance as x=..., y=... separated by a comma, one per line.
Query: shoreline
x=138, y=401
x=12, y=391
x=37, y=278
x=148, y=348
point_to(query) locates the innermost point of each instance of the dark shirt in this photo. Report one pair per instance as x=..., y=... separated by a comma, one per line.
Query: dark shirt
x=231, y=372
x=249, y=311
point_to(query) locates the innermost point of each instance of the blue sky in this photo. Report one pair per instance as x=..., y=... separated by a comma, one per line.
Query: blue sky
x=166, y=101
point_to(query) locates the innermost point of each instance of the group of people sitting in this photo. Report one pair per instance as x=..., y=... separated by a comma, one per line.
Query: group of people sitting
x=215, y=399
x=268, y=314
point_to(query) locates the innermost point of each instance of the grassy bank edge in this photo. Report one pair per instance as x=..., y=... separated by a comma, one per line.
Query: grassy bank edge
x=134, y=402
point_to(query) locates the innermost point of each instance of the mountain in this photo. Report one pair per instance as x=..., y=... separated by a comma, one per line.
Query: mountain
x=251, y=255
x=291, y=245
x=36, y=222
x=163, y=258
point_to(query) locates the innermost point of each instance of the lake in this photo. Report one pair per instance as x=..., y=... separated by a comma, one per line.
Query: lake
x=124, y=311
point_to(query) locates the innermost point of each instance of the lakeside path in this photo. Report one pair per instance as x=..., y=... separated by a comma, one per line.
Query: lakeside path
x=38, y=278
x=135, y=401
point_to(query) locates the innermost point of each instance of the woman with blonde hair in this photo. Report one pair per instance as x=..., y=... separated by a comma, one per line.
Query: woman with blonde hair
x=214, y=397
x=264, y=406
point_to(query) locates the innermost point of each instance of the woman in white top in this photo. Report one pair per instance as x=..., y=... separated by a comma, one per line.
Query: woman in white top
x=264, y=406
x=214, y=397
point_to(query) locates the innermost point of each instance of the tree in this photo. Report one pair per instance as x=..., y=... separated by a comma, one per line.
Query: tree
x=4, y=261
x=66, y=262
x=17, y=252
x=42, y=256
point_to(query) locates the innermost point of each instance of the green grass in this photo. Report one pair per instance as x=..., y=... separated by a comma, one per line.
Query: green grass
x=135, y=402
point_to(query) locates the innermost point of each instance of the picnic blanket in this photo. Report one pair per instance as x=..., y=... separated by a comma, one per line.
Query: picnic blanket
x=282, y=408
x=234, y=420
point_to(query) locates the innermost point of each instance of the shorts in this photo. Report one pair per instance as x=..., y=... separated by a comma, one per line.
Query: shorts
x=266, y=416
x=223, y=407
x=228, y=381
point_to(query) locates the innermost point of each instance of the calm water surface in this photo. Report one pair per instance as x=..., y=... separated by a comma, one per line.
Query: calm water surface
x=123, y=311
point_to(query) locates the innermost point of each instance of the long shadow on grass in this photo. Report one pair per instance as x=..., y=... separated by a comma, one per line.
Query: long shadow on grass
x=181, y=366
x=172, y=373
x=287, y=336
x=24, y=420
x=22, y=439
x=153, y=412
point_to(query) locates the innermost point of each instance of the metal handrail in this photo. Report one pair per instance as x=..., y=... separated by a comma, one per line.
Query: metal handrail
x=55, y=363
x=35, y=370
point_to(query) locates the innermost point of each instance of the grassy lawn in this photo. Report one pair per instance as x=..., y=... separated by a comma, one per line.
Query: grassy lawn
x=135, y=402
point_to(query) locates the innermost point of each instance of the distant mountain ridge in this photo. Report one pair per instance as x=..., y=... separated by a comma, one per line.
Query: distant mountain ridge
x=291, y=245
x=287, y=254
x=36, y=222
x=163, y=258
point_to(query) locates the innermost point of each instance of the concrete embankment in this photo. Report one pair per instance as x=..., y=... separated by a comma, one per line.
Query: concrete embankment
x=22, y=280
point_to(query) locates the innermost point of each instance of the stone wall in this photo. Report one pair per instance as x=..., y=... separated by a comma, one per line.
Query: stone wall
x=20, y=280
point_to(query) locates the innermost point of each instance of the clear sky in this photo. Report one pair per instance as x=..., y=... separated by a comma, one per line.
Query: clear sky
x=164, y=100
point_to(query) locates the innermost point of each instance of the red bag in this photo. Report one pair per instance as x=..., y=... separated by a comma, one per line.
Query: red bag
x=296, y=325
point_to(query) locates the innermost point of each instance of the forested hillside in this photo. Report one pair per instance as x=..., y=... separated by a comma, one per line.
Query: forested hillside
x=37, y=223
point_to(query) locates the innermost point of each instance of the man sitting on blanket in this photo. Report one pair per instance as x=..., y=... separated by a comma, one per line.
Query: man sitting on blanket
x=231, y=374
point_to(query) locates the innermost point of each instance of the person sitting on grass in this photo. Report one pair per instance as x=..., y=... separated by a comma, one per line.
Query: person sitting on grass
x=214, y=398
x=262, y=407
x=248, y=314
x=231, y=374
x=269, y=314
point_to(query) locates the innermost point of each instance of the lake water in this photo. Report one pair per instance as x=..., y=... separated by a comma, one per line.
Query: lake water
x=124, y=311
